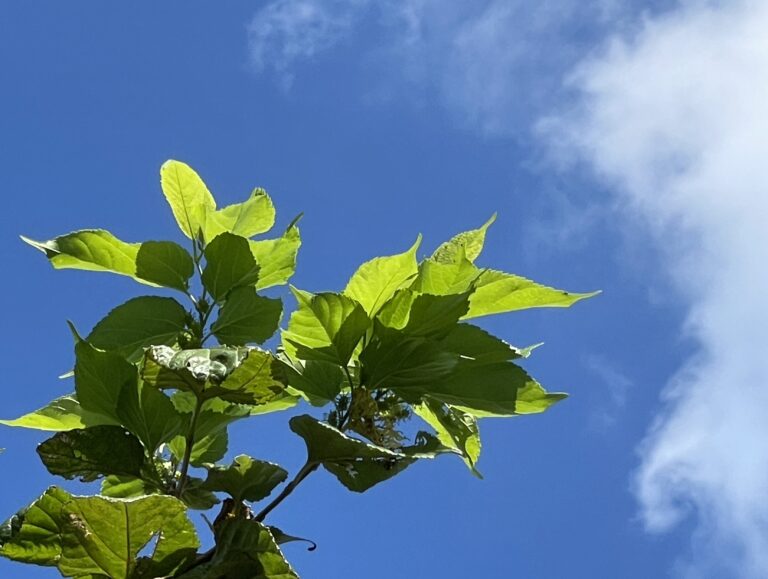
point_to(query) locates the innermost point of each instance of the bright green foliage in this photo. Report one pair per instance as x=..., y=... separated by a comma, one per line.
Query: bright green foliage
x=376, y=281
x=326, y=327
x=64, y=413
x=154, y=396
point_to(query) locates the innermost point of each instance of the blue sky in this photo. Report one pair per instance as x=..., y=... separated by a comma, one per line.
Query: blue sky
x=623, y=145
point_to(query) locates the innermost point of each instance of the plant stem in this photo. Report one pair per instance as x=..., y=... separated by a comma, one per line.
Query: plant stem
x=306, y=470
x=189, y=443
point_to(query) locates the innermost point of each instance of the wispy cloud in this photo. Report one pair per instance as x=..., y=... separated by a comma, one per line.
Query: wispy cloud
x=287, y=31
x=675, y=118
x=615, y=390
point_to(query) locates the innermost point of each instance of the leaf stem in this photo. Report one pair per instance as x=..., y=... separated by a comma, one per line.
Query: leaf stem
x=304, y=472
x=189, y=443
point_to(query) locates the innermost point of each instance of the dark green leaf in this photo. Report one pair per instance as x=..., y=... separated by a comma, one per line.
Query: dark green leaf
x=358, y=465
x=424, y=315
x=276, y=257
x=210, y=434
x=476, y=344
x=499, y=389
x=189, y=198
x=149, y=414
x=247, y=318
x=139, y=323
x=245, y=549
x=229, y=265
x=391, y=361
x=90, y=453
x=99, y=378
x=320, y=381
x=165, y=263
x=376, y=281
x=281, y=537
x=246, y=479
x=326, y=327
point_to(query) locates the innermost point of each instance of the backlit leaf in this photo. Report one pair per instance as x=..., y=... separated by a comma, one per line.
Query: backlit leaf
x=455, y=429
x=376, y=281
x=153, y=263
x=59, y=415
x=149, y=414
x=187, y=195
x=498, y=292
x=251, y=217
x=277, y=257
x=470, y=241
x=326, y=327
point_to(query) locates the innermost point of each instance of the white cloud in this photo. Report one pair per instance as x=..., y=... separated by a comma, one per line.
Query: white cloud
x=286, y=31
x=675, y=118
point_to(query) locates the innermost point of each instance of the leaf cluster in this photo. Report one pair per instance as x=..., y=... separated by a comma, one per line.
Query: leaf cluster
x=153, y=398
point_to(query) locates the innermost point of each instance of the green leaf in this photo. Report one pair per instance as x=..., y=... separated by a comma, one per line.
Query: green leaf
x=126, y=487
x=97, y=537
x=149, y=414
x=210, y=433
x=62, y=414
x=424, y=315
x=246, y=479
x=90, y=453
x=498, y=389
x=165, y=263
x=358, y=465
x=196, y=496
x=259, y=379
x=326, y=327
x=439, y=278
x=277, y=257
x=139, y=323
x=455, y=429
x=476, y=344
x=471, y=242
x=391, y=361
x=229, y=265
x=251, y=217
x=247, y=318
x=190, y=370
x=34, y=534
x=99, y=378
x=152, y=263
x=244, y=549
x=320, y=381
x=499, y=292
x=376, y=281
x=103, y=536
x=187, y=195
